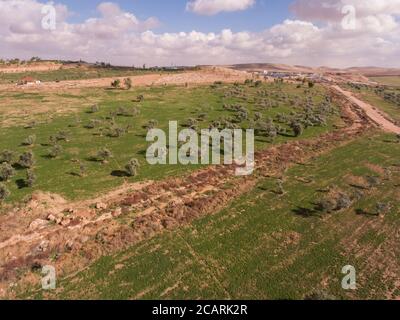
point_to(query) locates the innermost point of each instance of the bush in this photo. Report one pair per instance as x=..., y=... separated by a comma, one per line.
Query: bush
x=132, y=167
x=104, y=154
x=62, y=136
x=30, y=140
x=297, y=128
x=55, y=151
x=326, y=205
x=258, y=116
x=4, y=193
x=93, y=123
x=30, y=178
x=6, y=156
x=128, y=83
x=26, y=160
x=82, y=170
x=116, y=83
x=191, y=123
x=95, y=108
x=6, y=171
x=116, y=132
x=343, y=202
x=152, y=124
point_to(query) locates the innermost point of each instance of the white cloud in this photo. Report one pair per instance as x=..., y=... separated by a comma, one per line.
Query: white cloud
x=120, y=37
x=212, y=7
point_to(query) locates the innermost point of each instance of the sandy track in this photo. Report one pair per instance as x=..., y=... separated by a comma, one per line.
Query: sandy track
x=376, y=115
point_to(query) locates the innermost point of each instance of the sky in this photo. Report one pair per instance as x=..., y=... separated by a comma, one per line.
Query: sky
x=336, y=33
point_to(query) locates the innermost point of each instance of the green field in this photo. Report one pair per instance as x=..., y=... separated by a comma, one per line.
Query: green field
x=78, y=73
x=60, y=175
x=387, y=80
x=266, y=246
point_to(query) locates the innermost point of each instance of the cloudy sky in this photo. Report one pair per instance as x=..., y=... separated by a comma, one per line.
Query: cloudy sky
x=336, y=33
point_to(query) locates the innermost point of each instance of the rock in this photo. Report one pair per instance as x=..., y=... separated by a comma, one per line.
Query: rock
x=101, y=205
x=69, y=245
x=43, y=246
x=51, y=217
x=65, y=222
x=38, y=224
x=117, y=212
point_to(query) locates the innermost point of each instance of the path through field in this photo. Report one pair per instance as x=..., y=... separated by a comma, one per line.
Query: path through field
x=373, y=113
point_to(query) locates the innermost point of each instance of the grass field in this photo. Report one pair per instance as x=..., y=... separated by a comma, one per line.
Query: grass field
x=161, y=103
x=266, y=246
x=79, y=73
x=387, y=80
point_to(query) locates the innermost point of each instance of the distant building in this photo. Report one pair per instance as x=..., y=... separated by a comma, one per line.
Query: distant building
x=29, y=81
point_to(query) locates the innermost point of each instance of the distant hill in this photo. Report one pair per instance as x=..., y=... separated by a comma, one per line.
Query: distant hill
x=365, y=71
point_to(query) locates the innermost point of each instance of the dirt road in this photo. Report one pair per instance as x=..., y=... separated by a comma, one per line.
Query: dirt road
x=377, y=116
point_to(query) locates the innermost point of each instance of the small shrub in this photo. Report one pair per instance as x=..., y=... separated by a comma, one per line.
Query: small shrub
x=297, y=128
x=26, y=160
x=326, y=205
x=381, y=208
x=343, y=202
x=82, y=170
x=62, y=136
x=4, y=193
x=6, y=171
x=191, y=123
x=132, y=167
x=128, y=83
x=29, y=141
x=95, y=108
x=104, y=154
x=6, y=156
x=30, y=178
x=152, y=124
x=55, y=151
x=116, y=132
x=93, y=123
x=116, y=83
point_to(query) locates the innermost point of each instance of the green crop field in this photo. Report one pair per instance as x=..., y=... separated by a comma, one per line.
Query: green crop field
x=116, y=108
x=269, y=246
x=387, y=80
x=78, y=73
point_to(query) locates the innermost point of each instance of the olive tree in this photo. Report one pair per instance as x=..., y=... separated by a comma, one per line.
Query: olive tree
x=26, y=160
x=4, y=193
x=132, y=167
x=6, y=156
x=6, y=171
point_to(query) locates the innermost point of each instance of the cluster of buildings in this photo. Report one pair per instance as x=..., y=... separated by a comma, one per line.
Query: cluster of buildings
x=286, y=75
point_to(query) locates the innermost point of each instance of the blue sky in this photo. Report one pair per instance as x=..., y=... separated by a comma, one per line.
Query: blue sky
x=174, y=17
x=226, y=31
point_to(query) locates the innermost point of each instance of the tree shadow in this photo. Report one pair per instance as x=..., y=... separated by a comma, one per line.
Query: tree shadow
x=304, y=212
x=92, y=159
x=18, y=167
x=362, y=212
x=119, y=174
x=21, y=184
